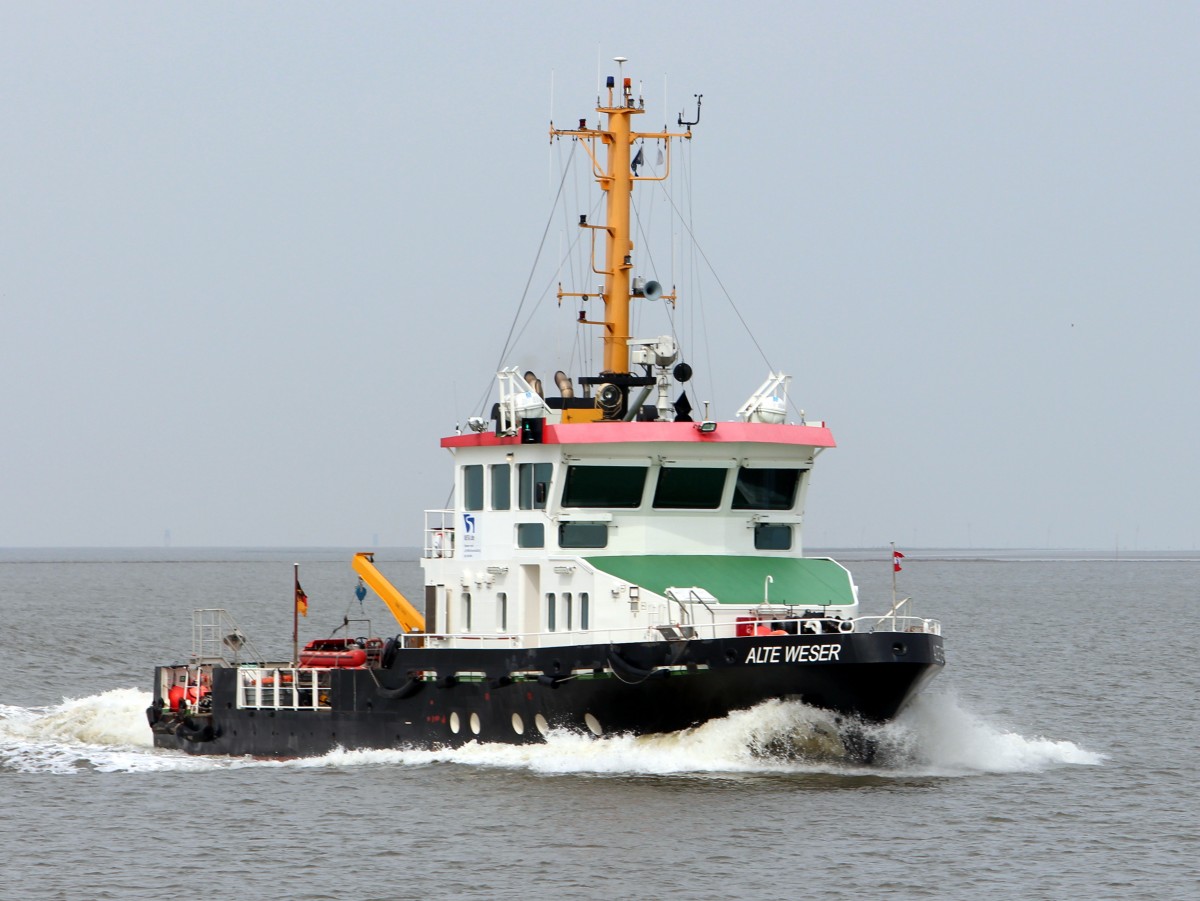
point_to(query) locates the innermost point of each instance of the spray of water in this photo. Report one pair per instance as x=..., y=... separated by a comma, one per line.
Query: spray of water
x=936, y=736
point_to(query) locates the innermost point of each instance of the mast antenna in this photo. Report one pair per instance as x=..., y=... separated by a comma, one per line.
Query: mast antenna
x=697, y=119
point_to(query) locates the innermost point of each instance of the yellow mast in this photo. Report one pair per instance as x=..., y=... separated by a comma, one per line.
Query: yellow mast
x=616, y=178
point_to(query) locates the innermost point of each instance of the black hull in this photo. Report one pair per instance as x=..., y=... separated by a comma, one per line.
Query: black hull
x=427, y=699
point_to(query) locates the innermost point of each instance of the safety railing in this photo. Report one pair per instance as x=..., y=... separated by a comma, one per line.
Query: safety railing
x=186, y=687
x=216, y=638
x=660, y=629
x=439, y=534
x=283, y=689
x=898, y=624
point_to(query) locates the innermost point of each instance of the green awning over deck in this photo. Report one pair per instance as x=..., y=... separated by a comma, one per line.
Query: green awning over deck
x=800, y=581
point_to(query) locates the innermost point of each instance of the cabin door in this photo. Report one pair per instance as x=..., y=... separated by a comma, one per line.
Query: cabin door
x=531, y=600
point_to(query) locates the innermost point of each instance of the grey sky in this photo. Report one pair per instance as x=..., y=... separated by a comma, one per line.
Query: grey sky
x=255, y=259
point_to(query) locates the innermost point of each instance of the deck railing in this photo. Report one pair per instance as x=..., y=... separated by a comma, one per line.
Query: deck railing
x=662, y=631
x=216, y=638
x=439, y=534
x=283, y=689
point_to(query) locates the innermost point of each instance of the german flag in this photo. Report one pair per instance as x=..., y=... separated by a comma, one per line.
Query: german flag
x=301, y=601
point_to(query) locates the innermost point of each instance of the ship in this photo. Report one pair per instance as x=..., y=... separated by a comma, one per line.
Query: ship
x=609, y=563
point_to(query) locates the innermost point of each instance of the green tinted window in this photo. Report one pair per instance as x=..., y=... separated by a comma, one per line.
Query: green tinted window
x=501, y=486
x=533, y=485
x=770, y=536
x=473, y=487
x=531, y=534
x=583, y=534
x=604, y=486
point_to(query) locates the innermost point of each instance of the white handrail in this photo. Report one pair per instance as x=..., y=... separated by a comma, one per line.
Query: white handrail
x=725, y=628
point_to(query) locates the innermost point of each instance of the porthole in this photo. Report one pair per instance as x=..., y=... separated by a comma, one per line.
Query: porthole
x=899, y=649
x=475, y=723
x=518, y=724
x=542, y=726
x=593, y=724
x=455, y=725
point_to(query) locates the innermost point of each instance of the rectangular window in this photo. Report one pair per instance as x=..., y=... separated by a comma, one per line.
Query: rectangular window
x=501, y=486
x=771, y=536
x=472, y=487
x=765, y=489
x=533, y=485
x=531, y=534
x=583, y=534
x=551, y=612
x=584, y=612
x=501, y=611
x=685, y=488
x=604, y=486
x=567, y=609
x=467, y=610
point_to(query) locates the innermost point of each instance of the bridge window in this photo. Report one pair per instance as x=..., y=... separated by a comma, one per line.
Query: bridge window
x=583, y=534
x=772, y=536
x=472, y=487
x=533, y=485
x=604, y=486
x=765, y=489
x=685, y=488
x=501, y=486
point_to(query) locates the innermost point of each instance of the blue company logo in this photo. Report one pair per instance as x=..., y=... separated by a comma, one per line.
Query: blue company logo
x=468, y=524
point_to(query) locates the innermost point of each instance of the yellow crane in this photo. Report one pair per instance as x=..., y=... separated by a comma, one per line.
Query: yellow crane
x=406, y=614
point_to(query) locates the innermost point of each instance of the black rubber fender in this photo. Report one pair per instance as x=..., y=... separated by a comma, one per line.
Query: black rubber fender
x=627, y=672
x=406, y=690
x=190, y=730
x=388, y=657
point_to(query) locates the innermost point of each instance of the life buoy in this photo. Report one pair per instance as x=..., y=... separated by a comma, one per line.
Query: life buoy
x=439, y=543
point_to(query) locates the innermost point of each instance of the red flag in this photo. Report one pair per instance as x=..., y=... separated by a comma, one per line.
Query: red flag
x=301, y=601
x=896, y=558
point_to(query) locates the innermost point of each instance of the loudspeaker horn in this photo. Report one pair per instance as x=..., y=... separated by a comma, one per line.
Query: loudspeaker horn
x=563, y=381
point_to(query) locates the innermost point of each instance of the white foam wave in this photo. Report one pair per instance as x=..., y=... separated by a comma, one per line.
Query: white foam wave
x=935, y=737
x=936, y=732
x=100, y=732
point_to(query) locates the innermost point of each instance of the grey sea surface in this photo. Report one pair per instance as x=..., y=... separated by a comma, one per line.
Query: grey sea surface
x=1053, y=758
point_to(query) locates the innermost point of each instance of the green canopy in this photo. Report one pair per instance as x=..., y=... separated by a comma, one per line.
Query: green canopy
x=799, y=581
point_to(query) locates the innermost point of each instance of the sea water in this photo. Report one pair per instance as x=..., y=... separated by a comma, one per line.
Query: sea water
x=1053, y=758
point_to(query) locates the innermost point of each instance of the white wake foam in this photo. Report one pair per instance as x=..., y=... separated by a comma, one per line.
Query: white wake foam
x=101, y=732
x=934, y=737
x=937, y=733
